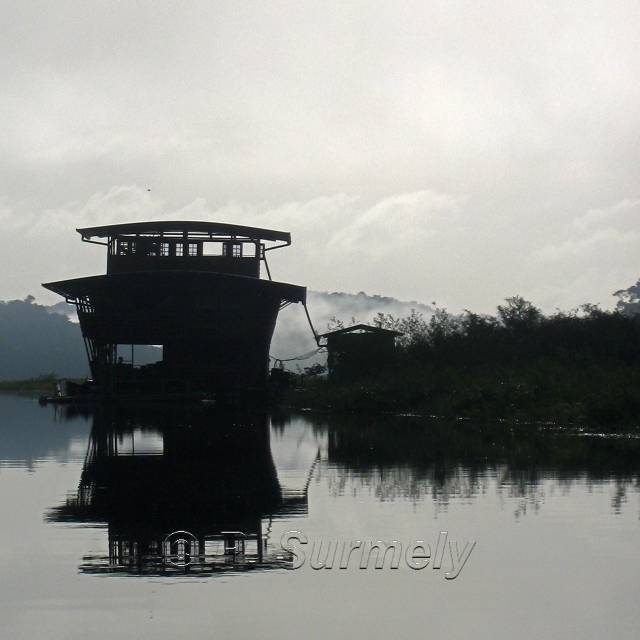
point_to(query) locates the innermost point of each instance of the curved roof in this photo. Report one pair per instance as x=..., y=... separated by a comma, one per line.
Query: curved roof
x=180, y=226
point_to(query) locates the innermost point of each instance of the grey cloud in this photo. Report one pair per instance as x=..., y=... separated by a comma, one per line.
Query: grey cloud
x=334, y=120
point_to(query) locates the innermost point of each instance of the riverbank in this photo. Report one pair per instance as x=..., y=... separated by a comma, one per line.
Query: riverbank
x=545, y=390
x=40, y=384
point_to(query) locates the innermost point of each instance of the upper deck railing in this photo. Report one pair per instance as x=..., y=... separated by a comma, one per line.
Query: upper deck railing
x=186, y=245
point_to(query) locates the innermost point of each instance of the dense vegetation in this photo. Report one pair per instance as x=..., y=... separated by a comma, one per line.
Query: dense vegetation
x=582, y=365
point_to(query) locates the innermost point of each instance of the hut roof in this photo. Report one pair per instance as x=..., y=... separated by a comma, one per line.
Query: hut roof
x=361, y=328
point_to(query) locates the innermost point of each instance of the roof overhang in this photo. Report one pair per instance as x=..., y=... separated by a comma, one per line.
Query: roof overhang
x=193, y=228
x=163, y=281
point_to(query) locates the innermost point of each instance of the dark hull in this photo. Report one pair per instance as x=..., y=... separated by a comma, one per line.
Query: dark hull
x=215, y=328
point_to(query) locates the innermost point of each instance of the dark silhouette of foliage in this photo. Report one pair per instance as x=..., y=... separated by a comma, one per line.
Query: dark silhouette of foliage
x=577, y=365
x=519, y=330
x=629, y=299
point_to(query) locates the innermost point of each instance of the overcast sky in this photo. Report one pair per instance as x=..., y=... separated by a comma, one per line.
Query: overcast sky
x=457, y=152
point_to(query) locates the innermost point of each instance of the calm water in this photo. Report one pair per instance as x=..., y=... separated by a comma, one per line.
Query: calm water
x=89, y=503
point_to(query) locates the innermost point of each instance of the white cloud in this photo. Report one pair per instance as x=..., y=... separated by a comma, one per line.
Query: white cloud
x=433, y=150
x=596, y=254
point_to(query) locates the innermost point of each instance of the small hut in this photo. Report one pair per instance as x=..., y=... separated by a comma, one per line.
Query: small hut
x=354, y=352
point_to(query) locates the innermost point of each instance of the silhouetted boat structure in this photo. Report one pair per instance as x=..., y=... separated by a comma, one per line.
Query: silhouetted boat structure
x=179, y=496
x=192, y=287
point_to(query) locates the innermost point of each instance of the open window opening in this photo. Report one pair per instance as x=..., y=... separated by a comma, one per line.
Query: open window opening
x=211, y=249
x=138, y=355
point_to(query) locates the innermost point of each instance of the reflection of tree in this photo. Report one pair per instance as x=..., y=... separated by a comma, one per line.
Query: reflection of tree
x=400, y=483
x=412, y=459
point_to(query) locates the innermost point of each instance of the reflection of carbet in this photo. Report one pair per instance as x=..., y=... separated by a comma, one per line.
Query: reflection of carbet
x=334, y=553
x=226, y=550
x=189, y=483
x=179, y=548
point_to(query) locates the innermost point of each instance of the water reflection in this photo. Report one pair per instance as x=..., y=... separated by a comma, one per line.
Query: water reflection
x=413, y=459
x=225, y=479
x=554, y=514
x=182, y=492
x=30, y=434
